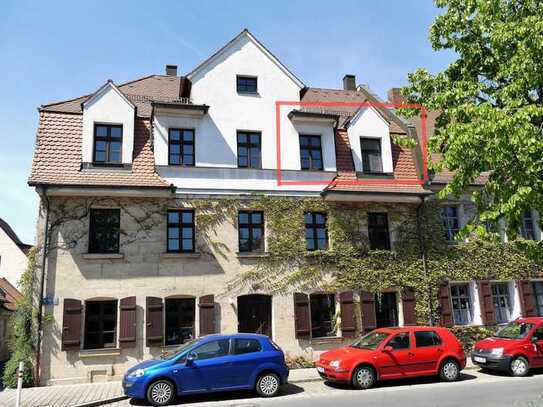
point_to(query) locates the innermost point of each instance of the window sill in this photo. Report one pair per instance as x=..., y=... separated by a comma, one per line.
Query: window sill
x=103, y=256
x=106, y=167
x=253, y=94
x=186, y=255
x=252, y=255
x=327, y=339
x=92, y=353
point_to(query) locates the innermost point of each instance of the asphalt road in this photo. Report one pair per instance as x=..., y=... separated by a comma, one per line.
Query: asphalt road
x=475, y=389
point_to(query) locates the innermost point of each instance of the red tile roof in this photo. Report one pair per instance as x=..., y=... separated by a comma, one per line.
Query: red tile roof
x=13, y=236
x=9, y=295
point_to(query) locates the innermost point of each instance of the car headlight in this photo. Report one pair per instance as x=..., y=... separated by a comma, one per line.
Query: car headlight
x=137, y=373
x=335, y=364
x=496, y=352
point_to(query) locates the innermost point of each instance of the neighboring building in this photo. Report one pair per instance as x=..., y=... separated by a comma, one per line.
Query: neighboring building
x=13, y=254
x=8, y=304
x=131, y=273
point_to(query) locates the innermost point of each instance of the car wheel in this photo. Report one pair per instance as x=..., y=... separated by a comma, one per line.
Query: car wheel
x=364, y=377
x=519, y=366
x=450, y=371
x=267, y=385
x=160, y=393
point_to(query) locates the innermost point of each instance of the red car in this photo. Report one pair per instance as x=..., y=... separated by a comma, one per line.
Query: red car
x=515, y=348
x=393, y=353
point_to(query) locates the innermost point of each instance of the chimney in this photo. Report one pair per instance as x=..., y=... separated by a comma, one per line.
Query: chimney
x=395, y=95
x=171, y=70
x=349, y=82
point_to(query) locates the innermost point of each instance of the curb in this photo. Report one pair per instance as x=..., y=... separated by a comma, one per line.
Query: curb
x=101, y=402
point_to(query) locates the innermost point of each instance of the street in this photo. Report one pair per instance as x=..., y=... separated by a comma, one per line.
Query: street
x=474, y=389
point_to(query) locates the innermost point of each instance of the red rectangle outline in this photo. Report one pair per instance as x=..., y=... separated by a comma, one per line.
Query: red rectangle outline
x=416, y=181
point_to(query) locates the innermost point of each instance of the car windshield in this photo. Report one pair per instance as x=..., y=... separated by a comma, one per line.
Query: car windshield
x=371, y=340
x=174, y=352
x=514, y=330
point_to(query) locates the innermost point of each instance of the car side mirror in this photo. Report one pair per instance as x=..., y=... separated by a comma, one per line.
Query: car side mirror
x=388, y=349
x=191, y=357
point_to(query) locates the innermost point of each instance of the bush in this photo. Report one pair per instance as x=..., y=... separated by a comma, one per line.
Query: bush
x=10, y=370
x=469, y=335
x=298, y=362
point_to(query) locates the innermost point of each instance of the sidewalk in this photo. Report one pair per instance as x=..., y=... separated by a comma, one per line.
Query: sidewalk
x=87, y=395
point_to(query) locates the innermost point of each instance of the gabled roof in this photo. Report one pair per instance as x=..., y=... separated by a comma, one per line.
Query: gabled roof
x=9, y=295
x=13, y=236
x=247, y=34
x=108, y=85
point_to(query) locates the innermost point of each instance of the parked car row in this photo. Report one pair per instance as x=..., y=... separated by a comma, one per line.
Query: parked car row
x=254, y=362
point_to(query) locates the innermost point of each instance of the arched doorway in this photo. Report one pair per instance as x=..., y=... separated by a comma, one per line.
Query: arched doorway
x=255, y=314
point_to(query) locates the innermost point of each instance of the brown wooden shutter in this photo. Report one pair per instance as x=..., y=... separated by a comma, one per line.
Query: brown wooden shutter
x=527, y=298
x=127, y=334
x=445, y=305
x=206, y=304
x=486, y=300
x=302, y=321
x=154, y=333
x=367, y=308
x=408, y=306
x=71, y=324
x=348, y=323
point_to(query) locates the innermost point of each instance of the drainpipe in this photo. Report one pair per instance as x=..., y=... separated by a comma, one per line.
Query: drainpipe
x=42, y=285
x=423, y=256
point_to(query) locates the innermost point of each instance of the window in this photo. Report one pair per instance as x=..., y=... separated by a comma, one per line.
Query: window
x=527, y=229
x=311, y=153
x=100, y=324
x=400, y=341
x=249, y=150
x=449, y=217
x=179, y=320
x=242, y=346
x=181, y=230
x=538, y=334
x=108, y=140
x=213, y=349
x=316, y=234
x=378, y=231
x=386, y=309
x=426, y=338
x=323, y=311
x=251, y=231
x=461, y=302
x=181, y=147
x=104, y=230
x=371, y=155
x=246, y=84
x=538, y=294
x=502, y=303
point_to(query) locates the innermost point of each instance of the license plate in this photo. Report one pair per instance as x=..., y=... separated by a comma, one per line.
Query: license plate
x=479, y=359
x=320, y=369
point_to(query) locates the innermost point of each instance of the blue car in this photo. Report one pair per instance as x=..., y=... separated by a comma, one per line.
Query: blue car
x=209, y=364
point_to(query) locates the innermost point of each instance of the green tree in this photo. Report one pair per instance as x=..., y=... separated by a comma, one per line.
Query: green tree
x=491, y=102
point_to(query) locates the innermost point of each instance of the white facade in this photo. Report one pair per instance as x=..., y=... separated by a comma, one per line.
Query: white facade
x=13, y=261
x=108, y=106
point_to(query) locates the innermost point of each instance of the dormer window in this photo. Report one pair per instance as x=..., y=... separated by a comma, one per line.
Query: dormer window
x=246, y=84
x=371, y=155
x=181, y=147
x=108, y=141
x=311, y=153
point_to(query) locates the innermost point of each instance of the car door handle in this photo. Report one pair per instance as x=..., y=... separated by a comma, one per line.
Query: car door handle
x=411, y=354
x=440, y=351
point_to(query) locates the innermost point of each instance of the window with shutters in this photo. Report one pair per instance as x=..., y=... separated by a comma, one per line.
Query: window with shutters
x=502, y=302
x=251, y=231
x=311, y=152
x=378, y=233
x=462, y=304
x=249, y=150
x=180, y=315
x=100, y=324
x=527, y=228
x=108, y=141
x=181, y=147
x=323, y=311
x=426, y=338
x=104, y=230
x=450, y=220
x=316, y=232
x=538, y=294
x=181, y=233
x=372, y=162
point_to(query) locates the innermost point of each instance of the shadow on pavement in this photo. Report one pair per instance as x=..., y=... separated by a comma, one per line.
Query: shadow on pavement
x=499, y=373
x=402, y=382
x=286, y=390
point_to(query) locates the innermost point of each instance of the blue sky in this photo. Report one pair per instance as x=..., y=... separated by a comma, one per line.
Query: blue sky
x=54, y=50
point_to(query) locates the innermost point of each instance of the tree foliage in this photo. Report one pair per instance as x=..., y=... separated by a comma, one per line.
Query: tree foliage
x=490, y=100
